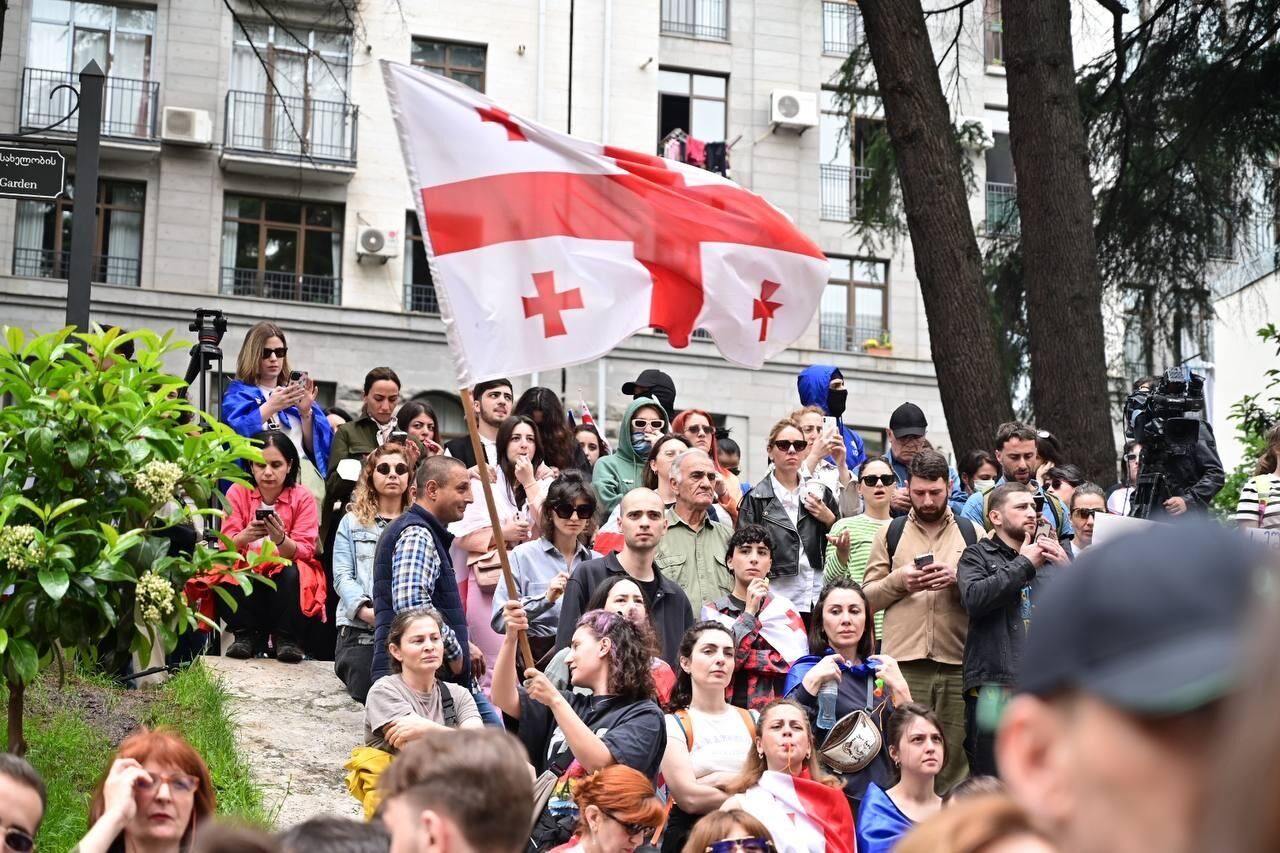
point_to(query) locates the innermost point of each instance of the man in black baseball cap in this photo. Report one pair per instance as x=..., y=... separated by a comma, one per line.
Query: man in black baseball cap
x=655, y=384
x=907, y=428
x=1109, y=738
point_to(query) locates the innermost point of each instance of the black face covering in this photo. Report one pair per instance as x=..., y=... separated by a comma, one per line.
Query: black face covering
x=836, y=401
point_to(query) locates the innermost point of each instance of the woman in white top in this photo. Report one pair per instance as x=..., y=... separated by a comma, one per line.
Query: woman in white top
x=1259, y=504
x=708, y=739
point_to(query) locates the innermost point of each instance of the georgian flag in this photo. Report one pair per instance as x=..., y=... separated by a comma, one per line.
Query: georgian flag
x=802, y=815
x=547, y=250
x=780, y=625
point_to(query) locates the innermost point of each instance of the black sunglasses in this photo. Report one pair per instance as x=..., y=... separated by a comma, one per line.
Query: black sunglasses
x=746, y=845
x=699, y=429
x=1087, y=512
x=566, y=511
x=18, y=841
x=879, y=480
x=278, y=352
x=630, y=829
x=384, y=468
x=787, y=445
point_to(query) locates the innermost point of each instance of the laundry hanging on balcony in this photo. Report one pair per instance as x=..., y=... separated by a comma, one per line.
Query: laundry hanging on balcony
x=683, y=148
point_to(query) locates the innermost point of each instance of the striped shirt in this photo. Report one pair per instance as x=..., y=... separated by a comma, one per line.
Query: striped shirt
x=862, y=532
x=1269, y=502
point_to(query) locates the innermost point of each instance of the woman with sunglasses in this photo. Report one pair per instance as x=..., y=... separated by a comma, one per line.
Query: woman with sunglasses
x=382, y=493
x=1087, y=502
x=153, y=797
x=541, y=568
x=849, y=542
x=617, y=811
x=729, y=831
x=797, y=514
x=644, y=422
x=699, y=430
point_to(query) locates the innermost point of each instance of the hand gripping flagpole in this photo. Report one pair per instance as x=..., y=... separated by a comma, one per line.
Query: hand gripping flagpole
x=482, y=464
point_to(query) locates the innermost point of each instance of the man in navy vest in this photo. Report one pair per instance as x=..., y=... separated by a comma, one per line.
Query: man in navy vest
x=411, y=566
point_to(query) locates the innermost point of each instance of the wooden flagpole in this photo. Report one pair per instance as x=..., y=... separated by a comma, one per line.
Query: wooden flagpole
x=482, y=464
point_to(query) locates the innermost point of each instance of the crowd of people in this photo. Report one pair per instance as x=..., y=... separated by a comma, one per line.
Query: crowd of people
x=819, y=660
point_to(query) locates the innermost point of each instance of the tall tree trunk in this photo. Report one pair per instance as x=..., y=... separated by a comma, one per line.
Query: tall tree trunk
x=17, y=742
x=974, y=394
x=1059, y=256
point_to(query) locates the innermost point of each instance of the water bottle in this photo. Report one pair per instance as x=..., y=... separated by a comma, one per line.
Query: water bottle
x=827, y=695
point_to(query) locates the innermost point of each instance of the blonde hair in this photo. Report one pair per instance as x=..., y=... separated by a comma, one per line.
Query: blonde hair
x=364, y=503
x=718, y=824
x=970, y=826
x=780, y=426
x=756, y=765
x=806, y=410
x=250, y=358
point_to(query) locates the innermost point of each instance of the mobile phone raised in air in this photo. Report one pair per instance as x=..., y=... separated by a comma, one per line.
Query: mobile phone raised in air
x=399, y=436
x=828, y=424
x=297, y=377
x=923, y=560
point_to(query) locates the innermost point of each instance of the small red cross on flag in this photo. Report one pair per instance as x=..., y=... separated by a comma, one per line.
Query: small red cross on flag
x=547, y=250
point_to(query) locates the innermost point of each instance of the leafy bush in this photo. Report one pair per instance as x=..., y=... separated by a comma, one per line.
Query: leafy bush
x=99, y=456
x=1254, y=415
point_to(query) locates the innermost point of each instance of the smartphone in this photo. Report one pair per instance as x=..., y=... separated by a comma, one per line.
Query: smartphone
x=297, y=377
x=923, y=560
x=399, y=436
x=828, y=424
x=263, y=513
x=1039, y=503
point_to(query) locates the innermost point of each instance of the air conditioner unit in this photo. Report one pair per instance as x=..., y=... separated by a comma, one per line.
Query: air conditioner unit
x=377, y=243
x=187, y=127
x=791, y=108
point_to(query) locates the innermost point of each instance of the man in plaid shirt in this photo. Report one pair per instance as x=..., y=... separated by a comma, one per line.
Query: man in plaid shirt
x=767, y=631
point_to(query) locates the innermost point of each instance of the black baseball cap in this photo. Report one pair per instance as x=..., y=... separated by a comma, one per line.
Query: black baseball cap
x=1152, y=623
x=655, y=384
x=907, y=421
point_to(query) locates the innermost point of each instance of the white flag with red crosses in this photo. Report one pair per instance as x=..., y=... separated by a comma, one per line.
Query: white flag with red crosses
x=547, y=250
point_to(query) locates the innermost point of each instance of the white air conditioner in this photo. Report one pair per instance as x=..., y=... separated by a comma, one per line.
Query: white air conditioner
x=791, y=108
x=186, y=126
x=377, y=243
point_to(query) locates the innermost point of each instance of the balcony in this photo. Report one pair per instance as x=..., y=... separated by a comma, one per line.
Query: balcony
x=700, y=19
x=835, y=333
x=46, y=263
x=1002, y=208
x=273, y=136
x=840, y=190
x=129, y=107
x=420, y=298
x=841, y=27
x=283, y=286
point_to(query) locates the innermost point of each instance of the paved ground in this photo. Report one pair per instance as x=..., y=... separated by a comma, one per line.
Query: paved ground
x=297, y=727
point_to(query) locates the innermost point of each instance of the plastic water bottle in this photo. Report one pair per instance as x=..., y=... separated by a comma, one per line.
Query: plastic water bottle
x=827, y=695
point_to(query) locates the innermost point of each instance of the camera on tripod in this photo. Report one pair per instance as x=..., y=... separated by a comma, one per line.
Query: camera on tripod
x=1157, y=418
x=209, y=325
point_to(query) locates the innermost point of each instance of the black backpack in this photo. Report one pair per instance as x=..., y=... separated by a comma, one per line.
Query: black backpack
x=899, y=524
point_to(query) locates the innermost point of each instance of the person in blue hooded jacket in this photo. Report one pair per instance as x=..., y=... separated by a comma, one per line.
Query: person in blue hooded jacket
x=822, y=385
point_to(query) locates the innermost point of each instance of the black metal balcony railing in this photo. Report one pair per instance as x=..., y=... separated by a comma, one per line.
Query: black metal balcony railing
x=129, y=107
x=46, y=263
x=420, y=297
x=1002, y=208
x=291, y=127
x=285, y=286
x=835, y=334
x=840, y=191
x=841, y=27
x=707, y=19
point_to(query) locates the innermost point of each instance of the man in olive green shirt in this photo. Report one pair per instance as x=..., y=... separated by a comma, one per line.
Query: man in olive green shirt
x=693, y=550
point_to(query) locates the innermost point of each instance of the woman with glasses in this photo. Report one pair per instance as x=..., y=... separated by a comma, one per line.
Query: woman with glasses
x=613, y=476
x=797, y=514
x=1086, y=502
x=617, y=811
x=382, y=493
x=265, y=396
x=849, y=542
x=153, y=797
x=541, y=567
x=731, y=831
x=699, y=430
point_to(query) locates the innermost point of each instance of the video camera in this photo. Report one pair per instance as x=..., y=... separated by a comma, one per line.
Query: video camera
x=209, y=325
x=1158, y=419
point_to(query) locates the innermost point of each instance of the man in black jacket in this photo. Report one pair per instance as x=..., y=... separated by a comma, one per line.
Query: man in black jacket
x=999, y=580
x=643, y=519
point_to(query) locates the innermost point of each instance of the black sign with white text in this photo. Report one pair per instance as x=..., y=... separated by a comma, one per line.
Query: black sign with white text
x=32, y=172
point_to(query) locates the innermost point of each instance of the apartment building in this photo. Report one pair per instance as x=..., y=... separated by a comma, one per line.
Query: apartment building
x=249, y=164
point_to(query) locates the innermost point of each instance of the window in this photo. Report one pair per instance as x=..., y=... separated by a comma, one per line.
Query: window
x=1222, y=239
x=1002, y=191
x=64, y=37
x=462, y=62
x=692, y=102
x=841, y=27
x=419, y=289
x=874, y=441
x=993, y=28
x=450, y=422
x=305, y=113
x=282, y=249
x=842, y=153
x=42, y=245
x=706, y=19
x=855, y=305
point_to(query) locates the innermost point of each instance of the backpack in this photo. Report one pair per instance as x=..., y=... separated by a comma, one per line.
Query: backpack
x=899, y=525
x=685, y=720
x=1059, y=511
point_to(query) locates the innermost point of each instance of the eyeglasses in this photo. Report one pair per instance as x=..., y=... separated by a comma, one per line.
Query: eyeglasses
x=746, y=845
x=631, y=829
x=384, y=468
x=565, y=511
x=1088, y=512
x=278, y=352
x=18, y=841
x=642, y=424
x=699, y=429
x=787, y=446
x=179, y=782
x=879, y=480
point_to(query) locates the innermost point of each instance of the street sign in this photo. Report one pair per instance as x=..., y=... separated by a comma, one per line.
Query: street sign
x=32, y=173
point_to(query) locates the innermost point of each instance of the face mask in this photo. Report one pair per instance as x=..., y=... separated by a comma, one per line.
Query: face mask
x=983, y=486
x=640, y=443
x=836, y=401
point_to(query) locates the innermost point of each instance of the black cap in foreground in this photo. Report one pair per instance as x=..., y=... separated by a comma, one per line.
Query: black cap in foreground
x=655, y=384
x=907, y=421
x=1152, y=623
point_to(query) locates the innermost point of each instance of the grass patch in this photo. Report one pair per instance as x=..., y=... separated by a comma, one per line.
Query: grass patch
x=73, y=731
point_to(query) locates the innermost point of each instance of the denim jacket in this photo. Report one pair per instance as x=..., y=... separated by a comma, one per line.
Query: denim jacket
x=353, y=550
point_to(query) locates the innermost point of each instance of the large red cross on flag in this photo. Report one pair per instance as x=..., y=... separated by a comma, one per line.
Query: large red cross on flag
x=547, y=250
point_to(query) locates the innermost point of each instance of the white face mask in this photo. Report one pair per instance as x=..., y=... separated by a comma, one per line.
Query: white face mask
x=983, y=486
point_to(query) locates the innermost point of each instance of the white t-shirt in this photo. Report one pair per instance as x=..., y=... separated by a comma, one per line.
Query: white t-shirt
x=720, y=741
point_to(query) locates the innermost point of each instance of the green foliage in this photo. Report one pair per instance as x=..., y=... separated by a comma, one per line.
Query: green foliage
x=1254, y=415
x=97, y=453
